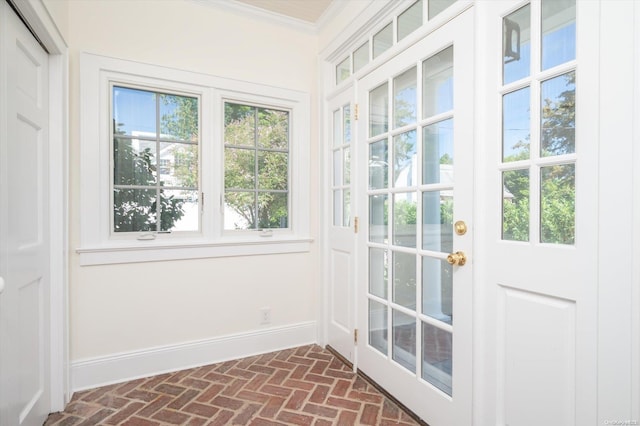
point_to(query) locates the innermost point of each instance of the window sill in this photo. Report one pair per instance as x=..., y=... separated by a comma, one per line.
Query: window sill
x=154, y=251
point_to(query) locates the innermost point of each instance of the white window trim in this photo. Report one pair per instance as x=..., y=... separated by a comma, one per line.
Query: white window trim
x=98, y=246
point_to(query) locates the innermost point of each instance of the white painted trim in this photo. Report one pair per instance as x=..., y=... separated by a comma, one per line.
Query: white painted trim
x=116, y=368
x=121, y=254
x=635, y=301
x=41, y=23
x=97, y=246
x=260, y=14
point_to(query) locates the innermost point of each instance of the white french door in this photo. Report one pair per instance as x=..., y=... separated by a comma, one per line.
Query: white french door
x=24, y=255
x=342, y=239
x=538, y=303
x=415, y=144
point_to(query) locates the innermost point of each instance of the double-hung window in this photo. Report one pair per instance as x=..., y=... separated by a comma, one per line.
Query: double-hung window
x=180, y=165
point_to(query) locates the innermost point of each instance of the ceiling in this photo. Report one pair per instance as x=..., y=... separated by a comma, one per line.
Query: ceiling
x=305, y=10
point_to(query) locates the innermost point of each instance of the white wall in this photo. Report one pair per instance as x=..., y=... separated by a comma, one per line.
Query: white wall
x=125, y=308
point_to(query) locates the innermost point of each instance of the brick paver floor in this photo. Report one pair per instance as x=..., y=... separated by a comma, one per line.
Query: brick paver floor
x=300, y=386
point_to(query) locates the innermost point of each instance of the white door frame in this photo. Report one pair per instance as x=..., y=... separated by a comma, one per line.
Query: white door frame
x=42, y=25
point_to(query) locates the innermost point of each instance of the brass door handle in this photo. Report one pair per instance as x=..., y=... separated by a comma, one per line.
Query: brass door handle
x=457, y=258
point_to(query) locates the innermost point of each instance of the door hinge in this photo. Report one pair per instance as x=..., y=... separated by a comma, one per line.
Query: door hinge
x=356, y=224
x=356, y=114
x=355, y=336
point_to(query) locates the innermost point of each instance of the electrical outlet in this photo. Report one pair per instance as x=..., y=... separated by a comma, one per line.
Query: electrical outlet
x=265, y=316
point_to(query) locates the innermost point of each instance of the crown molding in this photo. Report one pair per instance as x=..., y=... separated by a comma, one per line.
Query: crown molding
x=258, y=13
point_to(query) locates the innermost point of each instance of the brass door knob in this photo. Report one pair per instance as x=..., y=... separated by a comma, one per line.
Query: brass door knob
x=457, y=258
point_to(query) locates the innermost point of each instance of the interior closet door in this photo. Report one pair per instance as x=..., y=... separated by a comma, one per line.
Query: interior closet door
x=24, y=299
x=415, y=246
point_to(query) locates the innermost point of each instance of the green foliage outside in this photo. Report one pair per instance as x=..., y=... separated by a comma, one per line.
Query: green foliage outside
x=557, y=183
x=136, y=210
x=256, y=165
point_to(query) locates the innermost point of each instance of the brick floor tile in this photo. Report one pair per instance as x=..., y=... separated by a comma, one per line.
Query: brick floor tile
x=245, y=416
x=320, y=410
x=347, y=418
x=124, y=413
x=139, y=421
x=297, y=400
x=294, y=418
x=172, y=417
x=370, y=415
x=222, y=418
x=319, y=394
x=300, y=386
x=202, y=410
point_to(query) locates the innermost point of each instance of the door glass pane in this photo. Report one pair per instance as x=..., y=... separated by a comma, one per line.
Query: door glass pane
x=378, y=326
x=404, y=219
x=346, y=123
x=516, y=127
x=558, y=115
x=437, y=221
x=379, y=110
x=437, y=153
x=437, y=289
x=346, y=208
x=404, y=98
x=404, y=340
x=437, y=357
x=410, y=20
x=337, y=207
x=378, y=165
x=557, y=208
x=404, y=279
x=378, y=272
x=361, y=57
x=515, y=205
x=437, y=6
x=347, y=166
x=558, y=32
x=343, y=71
x=437, y=83
x=378, y=218
x=337, y=167
x=383, y=40
x=337, y=131
x=517, y=45
x=405, y=167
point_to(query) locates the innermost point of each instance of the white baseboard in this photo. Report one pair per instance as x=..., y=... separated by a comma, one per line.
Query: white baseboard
x=96, y=372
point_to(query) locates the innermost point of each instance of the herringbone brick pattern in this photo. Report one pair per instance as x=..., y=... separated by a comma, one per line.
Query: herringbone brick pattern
x=301, y=386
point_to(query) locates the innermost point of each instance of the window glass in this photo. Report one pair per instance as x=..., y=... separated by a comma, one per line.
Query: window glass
x=558, y=32
x=515, y=205
x=410, y=20
x=516, y=125
x=343, y=71
x=383, y=40
x=361, y=57
x=517, y=45
x=558, y=115
x=155, y=161
x=437, y=83
x=256, y=167
x=437, y=6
